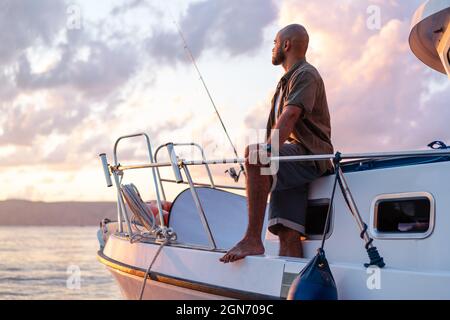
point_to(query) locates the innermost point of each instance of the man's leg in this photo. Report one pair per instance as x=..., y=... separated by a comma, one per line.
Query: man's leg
x=290, y=242
x=258, y=188
x=288, y=202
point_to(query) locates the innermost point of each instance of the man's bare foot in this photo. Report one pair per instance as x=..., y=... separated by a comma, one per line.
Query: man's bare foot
x=246, y=247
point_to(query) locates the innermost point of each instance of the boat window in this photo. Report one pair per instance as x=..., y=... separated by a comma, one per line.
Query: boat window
x=404, y=215
x=316, y=215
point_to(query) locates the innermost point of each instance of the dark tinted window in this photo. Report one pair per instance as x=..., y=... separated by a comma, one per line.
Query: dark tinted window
x=316, y=216
x=403, y=215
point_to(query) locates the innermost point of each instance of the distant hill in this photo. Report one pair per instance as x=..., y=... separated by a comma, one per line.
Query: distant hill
x=29, y=213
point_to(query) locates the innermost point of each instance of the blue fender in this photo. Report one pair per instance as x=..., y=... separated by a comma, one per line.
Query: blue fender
x=315, y=281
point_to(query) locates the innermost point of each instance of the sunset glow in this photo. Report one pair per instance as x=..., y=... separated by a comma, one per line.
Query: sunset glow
x=67, y=94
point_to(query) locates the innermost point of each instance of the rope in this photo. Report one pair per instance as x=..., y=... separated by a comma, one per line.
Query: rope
x=146, y=218
x=327, y=222
x=150, y=266
x=374, y=256
x=375, y=259
x=361, y=235
x=336, y=161
x=435, y=145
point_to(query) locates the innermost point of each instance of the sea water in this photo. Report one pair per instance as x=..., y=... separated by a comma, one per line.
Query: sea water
x=53, y=263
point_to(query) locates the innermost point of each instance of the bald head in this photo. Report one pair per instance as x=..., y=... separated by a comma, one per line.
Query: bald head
x=297, y=35
x=291, y=42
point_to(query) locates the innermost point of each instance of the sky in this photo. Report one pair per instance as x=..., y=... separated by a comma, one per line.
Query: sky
x=76, y=75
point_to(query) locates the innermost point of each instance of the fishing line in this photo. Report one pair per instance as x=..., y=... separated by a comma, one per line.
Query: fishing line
x=192, y=59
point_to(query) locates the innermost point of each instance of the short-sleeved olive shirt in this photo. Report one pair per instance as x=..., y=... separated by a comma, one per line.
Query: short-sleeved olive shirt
x=302, y=86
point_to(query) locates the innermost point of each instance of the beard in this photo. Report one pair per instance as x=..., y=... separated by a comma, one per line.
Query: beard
x=278, y=57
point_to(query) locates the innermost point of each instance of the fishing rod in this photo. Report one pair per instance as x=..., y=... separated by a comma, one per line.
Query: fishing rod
x=231, y=171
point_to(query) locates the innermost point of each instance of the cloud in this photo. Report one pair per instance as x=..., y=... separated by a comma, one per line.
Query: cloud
x=8, y=89
x=135, y=149
x=231, y=27
x=23, y=123
x=130, y=5
x=26, y=22
x=103, y=69
x=257, y=115
x=85, y=75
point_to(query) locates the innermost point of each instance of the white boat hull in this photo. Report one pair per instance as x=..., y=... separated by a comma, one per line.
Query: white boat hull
x=353, y=281
x=130, y=286
x=415, y=268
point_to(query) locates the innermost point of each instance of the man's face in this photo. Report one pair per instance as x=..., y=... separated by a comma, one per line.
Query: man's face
x=278, y=55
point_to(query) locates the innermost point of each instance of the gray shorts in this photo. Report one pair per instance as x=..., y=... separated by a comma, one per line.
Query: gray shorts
x=289, y=197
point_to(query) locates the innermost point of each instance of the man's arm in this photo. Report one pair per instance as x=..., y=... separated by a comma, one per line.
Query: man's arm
x=286, y=123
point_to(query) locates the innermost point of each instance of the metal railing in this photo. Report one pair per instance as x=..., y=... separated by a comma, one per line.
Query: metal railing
x=361, y=156
x=117, y=171
x=170, y=147
x=175, y=163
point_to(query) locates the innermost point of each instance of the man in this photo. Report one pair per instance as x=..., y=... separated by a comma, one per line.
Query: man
x=299, y=123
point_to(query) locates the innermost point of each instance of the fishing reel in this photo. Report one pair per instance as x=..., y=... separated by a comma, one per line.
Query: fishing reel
x=234, y=175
